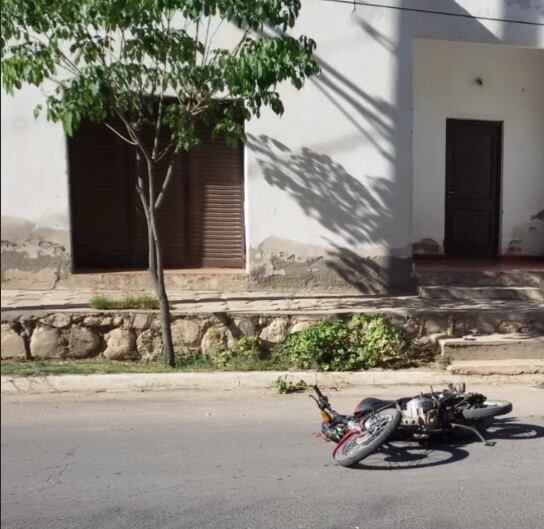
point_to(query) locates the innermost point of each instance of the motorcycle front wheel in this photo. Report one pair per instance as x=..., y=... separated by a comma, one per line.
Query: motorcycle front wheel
x=355, y=446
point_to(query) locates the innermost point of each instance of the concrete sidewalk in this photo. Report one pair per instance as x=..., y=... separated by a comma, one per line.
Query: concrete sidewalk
x=184, y=301
x=246, y=380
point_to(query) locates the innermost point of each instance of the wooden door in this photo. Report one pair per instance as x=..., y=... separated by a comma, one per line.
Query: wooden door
x=473, y=168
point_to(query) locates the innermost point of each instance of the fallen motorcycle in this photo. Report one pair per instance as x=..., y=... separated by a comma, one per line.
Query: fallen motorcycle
x=375, y=421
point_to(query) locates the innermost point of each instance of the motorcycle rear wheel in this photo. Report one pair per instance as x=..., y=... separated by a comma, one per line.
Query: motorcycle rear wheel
x=489, y=408
x=355, y=447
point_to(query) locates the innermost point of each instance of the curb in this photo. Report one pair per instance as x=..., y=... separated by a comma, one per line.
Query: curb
x=242, y=380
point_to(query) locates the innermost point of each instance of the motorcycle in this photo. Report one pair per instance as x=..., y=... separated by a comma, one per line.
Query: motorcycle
x=374, y=421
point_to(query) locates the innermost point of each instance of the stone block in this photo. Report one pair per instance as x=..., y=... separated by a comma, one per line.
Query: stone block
x=83, y=343
x=121, y=345
x=436, y=324
x=275, y=332
x=60, y=320
x=246, y=327
x=98, y=321
x=47, y=342
x=186, y=332
x=13, y=345
x=141, y=321
x=302, y=326
x=149, y=345
x=216, y=338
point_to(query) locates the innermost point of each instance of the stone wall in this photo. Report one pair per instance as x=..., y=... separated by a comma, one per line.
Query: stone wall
x=136, y=335
x=132, y=335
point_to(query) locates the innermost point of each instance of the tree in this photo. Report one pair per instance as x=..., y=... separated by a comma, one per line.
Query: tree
x=136, y=65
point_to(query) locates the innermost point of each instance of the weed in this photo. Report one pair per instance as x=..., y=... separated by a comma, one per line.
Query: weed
x=367, y=341
x=145, y=301
x=284, y=386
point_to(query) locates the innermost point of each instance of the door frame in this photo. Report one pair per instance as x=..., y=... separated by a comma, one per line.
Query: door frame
x=450, y=123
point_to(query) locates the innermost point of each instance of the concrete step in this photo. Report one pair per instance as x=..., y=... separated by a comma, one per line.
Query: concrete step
x=493, y=347
x=452, y=292
x=512, y=367
x=482, y=278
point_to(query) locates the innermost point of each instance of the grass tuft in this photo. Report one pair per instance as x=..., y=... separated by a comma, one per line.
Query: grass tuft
x=145, y=301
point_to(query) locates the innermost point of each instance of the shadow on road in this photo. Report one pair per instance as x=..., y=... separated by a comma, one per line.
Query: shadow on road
x=510, y=428
x=408, y=454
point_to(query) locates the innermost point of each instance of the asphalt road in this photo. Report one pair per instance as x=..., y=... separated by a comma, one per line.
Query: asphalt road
x=241, y=460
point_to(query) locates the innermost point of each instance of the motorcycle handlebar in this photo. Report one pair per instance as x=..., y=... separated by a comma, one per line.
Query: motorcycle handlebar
x=316, y=389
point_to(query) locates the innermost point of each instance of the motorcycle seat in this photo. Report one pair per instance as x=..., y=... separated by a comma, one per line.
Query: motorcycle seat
x=371, y=404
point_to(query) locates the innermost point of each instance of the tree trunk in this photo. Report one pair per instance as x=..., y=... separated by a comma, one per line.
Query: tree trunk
x=169, y=355
x=155, y=266
x=157, y=277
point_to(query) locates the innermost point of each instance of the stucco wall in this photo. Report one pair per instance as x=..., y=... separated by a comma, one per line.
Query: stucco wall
x=512, y=86
x=329, y=194
x=328, y=185
x=35, y=207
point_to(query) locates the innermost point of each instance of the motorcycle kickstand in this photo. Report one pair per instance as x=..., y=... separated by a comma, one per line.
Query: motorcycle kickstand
x=475, y=431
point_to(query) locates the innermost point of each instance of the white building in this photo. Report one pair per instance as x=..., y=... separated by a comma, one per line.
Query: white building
x=423, y=134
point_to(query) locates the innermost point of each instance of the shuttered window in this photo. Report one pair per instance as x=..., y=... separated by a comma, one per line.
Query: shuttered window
x=200, y=220
x=217, y=200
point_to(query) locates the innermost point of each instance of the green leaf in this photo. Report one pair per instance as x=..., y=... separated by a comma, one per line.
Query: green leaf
x=67, y=123
x=37, y=111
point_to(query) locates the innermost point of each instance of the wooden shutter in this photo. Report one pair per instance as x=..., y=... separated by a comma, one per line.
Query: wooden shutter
x=201, y=220
x=100, y=203
x=217, y=204
x=173, y=210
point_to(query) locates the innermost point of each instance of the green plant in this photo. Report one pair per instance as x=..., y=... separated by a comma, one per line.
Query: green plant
x=244, y=354
x=194, y=361
x=214, y=335
x=367, y=341
x=284, y=386
x=224, y=358
x=145, y=301
x=326, y=345
x=382, y=341
x=249, y=347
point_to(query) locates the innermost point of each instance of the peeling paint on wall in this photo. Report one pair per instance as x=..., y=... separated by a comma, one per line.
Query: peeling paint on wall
x=528, y=238
x=33, y=257
x=527, y=4
x=289, y=265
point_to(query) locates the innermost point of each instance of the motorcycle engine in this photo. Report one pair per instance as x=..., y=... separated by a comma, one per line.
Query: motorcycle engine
x=420, y=410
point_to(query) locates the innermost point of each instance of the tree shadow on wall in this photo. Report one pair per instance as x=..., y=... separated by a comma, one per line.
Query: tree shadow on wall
x=348, y=211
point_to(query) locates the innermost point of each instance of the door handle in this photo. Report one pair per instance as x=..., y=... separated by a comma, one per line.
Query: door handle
x=450, y=194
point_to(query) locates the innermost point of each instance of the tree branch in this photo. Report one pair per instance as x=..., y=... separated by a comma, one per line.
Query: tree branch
x=205, y=50
x=120, y=135
x=242, y=40
x=164, y=152
x=158, y=124
x=168, y=177
x=215, y=31
x=134, y=135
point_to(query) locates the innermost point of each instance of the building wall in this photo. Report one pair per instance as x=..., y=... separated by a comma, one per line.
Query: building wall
x=445, y=87
x=35, y=206
x=330, y=192
x=328, y=185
